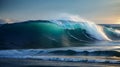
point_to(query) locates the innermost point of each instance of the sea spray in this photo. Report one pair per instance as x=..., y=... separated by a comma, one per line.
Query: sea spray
x=73, y=22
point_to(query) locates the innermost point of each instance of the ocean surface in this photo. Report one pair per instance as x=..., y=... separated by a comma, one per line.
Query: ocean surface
x=65, y=42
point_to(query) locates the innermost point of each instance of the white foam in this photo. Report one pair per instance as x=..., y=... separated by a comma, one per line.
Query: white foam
x=94, y=30
x=66, y=59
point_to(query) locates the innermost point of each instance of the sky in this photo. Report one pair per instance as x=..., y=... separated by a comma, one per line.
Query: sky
x=98, y=11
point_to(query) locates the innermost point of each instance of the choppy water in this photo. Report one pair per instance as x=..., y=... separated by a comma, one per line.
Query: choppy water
x=108, y=54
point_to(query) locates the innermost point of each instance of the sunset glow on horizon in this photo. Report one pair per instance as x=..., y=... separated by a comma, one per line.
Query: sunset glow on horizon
x=118, y=21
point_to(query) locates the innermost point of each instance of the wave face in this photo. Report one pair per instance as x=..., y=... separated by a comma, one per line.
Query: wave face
x=88, y=29
x=53, y=33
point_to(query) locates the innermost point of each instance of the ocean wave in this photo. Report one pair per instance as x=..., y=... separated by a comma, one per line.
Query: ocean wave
x=53, y=34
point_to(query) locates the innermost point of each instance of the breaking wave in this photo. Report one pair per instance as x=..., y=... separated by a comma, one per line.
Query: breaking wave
x=54, y=33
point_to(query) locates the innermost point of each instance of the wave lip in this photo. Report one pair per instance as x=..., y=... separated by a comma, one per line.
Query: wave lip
x=93, y=30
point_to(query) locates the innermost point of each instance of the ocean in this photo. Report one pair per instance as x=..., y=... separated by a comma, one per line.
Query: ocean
x=54, y=43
